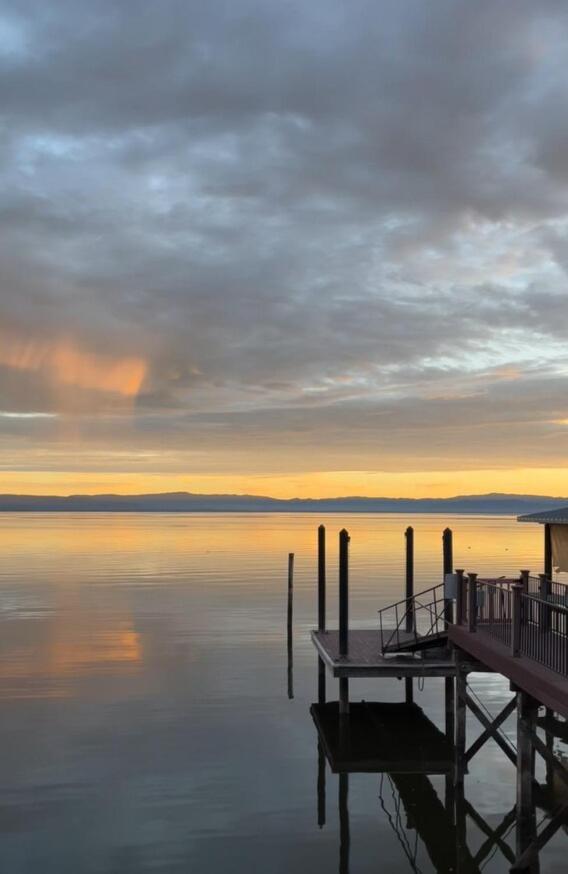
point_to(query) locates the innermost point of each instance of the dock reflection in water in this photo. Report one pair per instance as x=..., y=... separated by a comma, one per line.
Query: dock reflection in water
x=402, y=745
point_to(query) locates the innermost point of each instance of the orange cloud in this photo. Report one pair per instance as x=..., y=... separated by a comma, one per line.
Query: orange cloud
x=65, y=363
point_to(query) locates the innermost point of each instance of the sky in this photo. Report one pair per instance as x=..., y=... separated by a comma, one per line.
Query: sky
x=284, y=248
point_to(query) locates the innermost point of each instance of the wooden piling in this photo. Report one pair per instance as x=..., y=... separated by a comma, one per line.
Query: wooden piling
x=290, y=625
x=343, y=592
x=409, y=535
x=321, y=578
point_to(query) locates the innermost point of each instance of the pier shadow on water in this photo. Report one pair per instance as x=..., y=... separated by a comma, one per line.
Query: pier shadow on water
x=406, y=752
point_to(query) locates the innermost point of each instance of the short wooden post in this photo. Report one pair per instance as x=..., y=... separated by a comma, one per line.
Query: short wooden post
x=516, y=592
x=460, y=597
x=290, y=625
x=343, y=592
x=548, y=550
x=448, y=565
x=472, y=602
x=321, y=578
x=544, y=590
x=409, y=535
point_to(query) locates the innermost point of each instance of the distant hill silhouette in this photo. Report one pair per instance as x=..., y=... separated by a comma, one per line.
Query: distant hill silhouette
x=185, y=502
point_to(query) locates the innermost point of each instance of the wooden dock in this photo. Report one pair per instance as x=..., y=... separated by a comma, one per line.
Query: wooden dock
x=365, y=657
x=517, y=627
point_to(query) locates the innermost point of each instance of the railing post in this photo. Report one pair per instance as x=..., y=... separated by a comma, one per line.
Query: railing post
x=524, y=582
x=472, y=602
x=548, y=550
x=409, y=534
x=343, y=592
x=460, y=599
x=321, y=578
x=516, y=592
x=544, y=591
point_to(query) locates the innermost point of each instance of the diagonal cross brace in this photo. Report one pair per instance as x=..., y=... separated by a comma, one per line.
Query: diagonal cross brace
x=523, y=862
x=491, y=731
x=494, y=836
x=477, y=744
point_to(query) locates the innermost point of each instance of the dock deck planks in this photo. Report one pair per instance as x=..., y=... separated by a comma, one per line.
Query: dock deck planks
x=365, y=657
x=543, y=684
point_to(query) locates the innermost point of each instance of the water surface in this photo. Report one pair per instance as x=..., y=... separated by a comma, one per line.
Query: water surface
x=143, y=690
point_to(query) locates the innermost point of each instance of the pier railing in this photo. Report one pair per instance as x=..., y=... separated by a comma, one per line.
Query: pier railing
x=529, y=625
x=415, y=619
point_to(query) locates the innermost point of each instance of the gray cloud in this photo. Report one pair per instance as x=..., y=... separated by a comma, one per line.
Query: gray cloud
x=334, y=231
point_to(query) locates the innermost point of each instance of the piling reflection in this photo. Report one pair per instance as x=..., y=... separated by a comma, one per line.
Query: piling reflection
x=401, y=744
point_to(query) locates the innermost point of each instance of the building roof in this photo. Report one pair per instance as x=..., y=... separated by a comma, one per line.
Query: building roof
x=553, y=517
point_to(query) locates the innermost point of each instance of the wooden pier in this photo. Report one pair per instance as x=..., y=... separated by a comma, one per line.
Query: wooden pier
x=517, y=627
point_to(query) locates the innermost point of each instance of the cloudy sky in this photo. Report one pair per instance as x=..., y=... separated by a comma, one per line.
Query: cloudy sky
x=284, y=247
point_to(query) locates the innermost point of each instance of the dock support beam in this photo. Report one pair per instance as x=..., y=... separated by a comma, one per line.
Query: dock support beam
x=527, y=709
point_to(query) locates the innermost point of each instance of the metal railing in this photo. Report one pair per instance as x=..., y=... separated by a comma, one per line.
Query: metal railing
x=416, y=618
x=548, y=590
x=544, y=633
x=527, y=624
x=494, y=610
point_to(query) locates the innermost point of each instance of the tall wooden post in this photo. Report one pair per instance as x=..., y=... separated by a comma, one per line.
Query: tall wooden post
x=321, y=578
x=448, y=566
x=548, y=551
x=290, y=625
x=343, y=616
x=343, y=592
x=409, y=535
x=321, y=609
x=409, y=593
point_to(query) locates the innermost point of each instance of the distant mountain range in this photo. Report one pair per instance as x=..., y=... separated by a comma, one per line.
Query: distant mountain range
x=185, y=502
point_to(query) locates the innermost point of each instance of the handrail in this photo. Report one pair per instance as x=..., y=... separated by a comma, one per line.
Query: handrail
x=412, y=598
x=435, y=608
x=531, y=626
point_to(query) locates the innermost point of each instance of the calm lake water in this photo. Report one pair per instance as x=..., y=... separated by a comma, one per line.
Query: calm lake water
x=145, y=722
